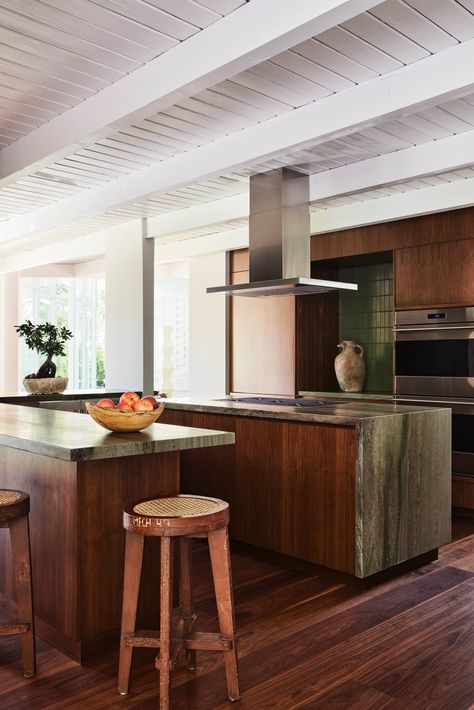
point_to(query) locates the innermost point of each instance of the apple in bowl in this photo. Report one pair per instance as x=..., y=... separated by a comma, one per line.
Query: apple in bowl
x=106, y=404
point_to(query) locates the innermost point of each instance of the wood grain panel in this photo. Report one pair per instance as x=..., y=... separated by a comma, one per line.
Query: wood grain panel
x=435, y=275
x=317, y=334
x=427, y=229
x=262, y=343
x=290, y=485
x=77, y=540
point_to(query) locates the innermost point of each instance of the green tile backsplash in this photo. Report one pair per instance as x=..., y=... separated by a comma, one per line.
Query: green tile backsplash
x=366, y=316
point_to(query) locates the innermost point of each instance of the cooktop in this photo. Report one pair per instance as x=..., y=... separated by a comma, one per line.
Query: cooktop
x=280, y=401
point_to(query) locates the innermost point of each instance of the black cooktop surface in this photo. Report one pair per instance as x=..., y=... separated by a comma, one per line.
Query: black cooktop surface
x=280, y=401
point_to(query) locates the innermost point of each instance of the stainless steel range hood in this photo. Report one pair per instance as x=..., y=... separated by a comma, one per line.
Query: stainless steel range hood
x=279, y=239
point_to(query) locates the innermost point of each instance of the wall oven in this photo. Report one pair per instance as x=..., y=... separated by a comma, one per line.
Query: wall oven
x=434, y=365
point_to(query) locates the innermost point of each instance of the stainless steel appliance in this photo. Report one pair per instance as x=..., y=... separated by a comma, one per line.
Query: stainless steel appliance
x=434, y=365
x=279, y=239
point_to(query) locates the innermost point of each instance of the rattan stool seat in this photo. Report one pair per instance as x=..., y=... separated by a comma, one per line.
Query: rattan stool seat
x=14, y=509
x=183, y=517
x=13, y=504
x=176, y=515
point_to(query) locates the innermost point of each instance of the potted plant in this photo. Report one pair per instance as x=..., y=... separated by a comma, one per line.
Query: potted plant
x=46, y=339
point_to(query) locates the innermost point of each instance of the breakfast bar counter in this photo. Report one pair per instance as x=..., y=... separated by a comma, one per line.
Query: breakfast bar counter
x=79, y=477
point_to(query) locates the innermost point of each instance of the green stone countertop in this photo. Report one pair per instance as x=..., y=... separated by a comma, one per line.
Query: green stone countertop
x=76, y=437
x=342, y=413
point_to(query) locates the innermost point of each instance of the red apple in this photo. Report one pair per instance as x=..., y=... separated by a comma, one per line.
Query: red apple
x=106, y=404
x=143, y=405
x=124, y=407
x=152, y=401
x=129, y=398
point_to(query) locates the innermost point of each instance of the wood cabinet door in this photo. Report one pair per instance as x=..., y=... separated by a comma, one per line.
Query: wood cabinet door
x=432, y=275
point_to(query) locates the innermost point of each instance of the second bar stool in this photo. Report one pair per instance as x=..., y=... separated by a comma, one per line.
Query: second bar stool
x=181, y=516
x=14, y=509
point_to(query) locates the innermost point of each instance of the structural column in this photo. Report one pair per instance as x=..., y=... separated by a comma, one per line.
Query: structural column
x=129, y=297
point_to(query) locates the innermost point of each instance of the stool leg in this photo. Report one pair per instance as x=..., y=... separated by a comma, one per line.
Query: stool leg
x=222, y=577
x=185, y=596
x=131, y=586
x=20, y=542
x=166, y=610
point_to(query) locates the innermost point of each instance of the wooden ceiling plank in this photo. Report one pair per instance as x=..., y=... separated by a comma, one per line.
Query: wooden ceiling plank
x=385, y=38
x=359, y=50
x=82, y=27
x=450, y=15
x=253, y=81
x=251, y=97
x=119, y=24
x=23, y=25
x=308, y=79
x=334, y=61
x=412, y=24
x=185, y=70
x=193, y=12
x=445, y=119
x=302, y=61
x=150, y=16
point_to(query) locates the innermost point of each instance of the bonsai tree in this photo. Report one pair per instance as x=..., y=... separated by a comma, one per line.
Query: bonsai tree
x=46, y=339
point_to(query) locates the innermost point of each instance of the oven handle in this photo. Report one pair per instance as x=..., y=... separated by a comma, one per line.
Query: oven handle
x=421, y=329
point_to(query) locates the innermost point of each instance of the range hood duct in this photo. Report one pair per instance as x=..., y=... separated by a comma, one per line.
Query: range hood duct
x=279, y=239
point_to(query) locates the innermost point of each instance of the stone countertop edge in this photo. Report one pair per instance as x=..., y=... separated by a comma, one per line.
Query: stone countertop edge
x=340, y=414
x=69, y=436
x=386, y=397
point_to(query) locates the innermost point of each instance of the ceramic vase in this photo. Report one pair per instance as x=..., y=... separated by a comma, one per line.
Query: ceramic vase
x=349, y=366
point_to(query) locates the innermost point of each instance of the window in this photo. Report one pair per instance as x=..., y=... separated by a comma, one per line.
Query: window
x=79, y=304
x=172, y=328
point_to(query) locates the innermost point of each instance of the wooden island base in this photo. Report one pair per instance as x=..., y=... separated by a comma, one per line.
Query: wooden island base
x=77, y=542
x=364, y=493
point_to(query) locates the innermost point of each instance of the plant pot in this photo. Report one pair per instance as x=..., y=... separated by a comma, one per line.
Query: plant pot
x=46, y=385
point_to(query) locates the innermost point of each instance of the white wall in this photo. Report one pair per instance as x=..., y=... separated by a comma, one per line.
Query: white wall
x=8, y=336
x=207, y=326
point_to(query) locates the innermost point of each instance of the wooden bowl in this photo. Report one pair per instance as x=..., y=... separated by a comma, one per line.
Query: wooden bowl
x=115, y=420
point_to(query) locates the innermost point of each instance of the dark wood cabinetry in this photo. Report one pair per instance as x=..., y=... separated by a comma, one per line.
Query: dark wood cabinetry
x=439, y=274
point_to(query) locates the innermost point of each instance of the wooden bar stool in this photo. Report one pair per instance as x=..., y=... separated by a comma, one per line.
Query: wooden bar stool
x=14, y=509
x=182, y=516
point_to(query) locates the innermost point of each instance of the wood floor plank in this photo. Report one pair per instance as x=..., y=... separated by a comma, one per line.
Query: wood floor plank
x=304, y=642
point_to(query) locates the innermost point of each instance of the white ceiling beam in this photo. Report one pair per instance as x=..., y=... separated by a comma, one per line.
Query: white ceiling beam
x=92, y=245
x=247, y=36
x=413, y=203
x=178, y=250
x=203, y=215
x=443, y=155
x=436, y=79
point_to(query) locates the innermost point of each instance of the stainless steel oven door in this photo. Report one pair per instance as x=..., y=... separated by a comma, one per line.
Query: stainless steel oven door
x=462, y=429
x=435, y=361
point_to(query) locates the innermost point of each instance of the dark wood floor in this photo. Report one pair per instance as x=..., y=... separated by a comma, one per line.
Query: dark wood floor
x=305, y=643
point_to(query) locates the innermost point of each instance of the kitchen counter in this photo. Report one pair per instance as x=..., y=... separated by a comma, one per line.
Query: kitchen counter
x=79, y=477
x=359, y=488
x=61, y=435
x=341, y=413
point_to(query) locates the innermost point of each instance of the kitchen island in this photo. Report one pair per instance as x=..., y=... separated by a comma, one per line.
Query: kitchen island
x=361, y=489
x=79, y=477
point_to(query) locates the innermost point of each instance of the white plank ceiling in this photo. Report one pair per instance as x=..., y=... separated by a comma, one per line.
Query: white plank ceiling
x=54, y=55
